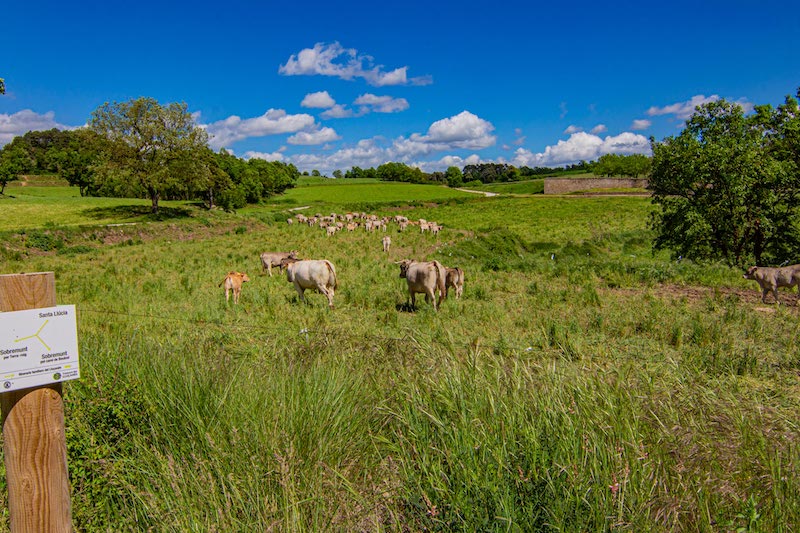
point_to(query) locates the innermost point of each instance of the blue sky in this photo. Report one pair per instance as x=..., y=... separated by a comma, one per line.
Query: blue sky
x=327, y=85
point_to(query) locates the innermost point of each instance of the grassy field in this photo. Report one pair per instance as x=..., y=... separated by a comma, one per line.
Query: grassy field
x=582, y=383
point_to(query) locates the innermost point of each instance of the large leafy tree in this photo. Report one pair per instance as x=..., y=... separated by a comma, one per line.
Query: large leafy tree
x=153, y=144
x=726, y=186
x=14, y=160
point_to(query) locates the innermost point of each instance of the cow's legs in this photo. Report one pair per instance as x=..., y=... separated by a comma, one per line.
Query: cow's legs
x=300, y=292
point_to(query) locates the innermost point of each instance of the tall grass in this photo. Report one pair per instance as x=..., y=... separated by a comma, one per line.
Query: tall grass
x=567, y=390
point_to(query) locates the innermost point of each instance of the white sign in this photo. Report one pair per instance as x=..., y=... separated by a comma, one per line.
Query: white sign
x=38, y=347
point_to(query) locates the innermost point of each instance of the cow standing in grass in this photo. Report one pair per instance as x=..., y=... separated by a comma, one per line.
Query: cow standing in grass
x=315, y=274
x=273, y=259
x=426, y=278
x=233, y=282
x=455, y=279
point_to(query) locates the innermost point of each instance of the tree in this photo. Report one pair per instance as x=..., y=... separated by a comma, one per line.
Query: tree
x=77, y=160
x=154, y=144
x=337, y=174
x=454, y=177
x=2, y=86
x=14, y=160
x=727, y=188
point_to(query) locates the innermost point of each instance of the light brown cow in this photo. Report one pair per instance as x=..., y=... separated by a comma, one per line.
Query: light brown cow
x=233, y=282
x=273, y=259
x=769, y=279
x=387, y=241
x=455, y=279
x=316, y=274
x=425, y=278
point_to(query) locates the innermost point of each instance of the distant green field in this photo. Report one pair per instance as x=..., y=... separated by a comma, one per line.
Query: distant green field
x=347, y=193
x=516, y=187
x=310, y=181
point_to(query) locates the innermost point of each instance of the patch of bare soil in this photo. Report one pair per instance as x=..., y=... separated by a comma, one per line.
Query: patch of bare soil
x=699, y=294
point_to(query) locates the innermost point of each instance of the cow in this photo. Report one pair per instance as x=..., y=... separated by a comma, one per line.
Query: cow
x=455, y=279
x=273, y=259
x=426, y=278
x=387, y=241
x=330, y=230
x=769, y=279
x=233, y=282
x=316, y=274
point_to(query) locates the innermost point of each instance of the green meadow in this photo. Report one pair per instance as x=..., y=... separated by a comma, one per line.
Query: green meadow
x=582, y=382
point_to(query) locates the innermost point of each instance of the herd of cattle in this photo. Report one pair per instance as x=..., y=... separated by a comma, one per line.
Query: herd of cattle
x=430, y=278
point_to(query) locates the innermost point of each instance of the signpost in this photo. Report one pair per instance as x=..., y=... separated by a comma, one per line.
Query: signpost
x=34, y=442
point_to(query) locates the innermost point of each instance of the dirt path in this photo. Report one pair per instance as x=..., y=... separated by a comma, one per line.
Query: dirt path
x=485, y=193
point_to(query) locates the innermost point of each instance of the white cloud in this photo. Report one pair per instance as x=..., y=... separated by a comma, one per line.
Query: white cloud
x=275, y=121
x=347, y=64
x=274, y=156
x=26, y=120
x=337, y=111
x=640, y=124
x=319, y=100
x=381, y=104
x=308, y=138
x=572, y=129
x=582, y=146
x=600, y=128
x=464, y=130
x=682, y=110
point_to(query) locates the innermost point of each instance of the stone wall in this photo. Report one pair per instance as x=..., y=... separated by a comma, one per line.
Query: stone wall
x=568, y=185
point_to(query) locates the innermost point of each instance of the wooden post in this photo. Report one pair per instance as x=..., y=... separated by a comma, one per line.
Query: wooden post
x=34, y=442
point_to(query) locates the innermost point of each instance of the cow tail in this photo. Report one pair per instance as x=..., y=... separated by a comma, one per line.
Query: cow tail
x=333, y=274
x=441, y=279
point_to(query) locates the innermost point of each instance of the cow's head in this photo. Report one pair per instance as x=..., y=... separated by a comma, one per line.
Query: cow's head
x=404, y=264
x=750, y=274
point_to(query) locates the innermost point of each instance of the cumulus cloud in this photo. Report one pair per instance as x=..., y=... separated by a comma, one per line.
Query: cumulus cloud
x=381, y=104
x=462, y=131
x=337, y=111
x=682, y=110
x=308, y=138
x=274, y=156
x=318, y=100
x=26, y=120
x=275, y=121
x=572, y=129
x=583, y=146
x=641, y=124
x=347, y=64
x=600, y=128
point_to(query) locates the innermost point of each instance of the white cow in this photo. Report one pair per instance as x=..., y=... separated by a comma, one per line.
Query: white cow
x=426, y=278
x=387, y=241
x=315, y=274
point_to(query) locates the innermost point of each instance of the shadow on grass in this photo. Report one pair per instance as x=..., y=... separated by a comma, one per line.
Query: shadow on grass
x=142, y=212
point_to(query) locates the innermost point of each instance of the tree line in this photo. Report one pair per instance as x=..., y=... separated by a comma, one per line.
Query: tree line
x=142, y=149
x=476, y=174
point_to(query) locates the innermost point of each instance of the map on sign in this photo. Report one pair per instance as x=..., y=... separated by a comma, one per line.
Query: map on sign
x=38, y=347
